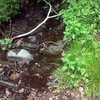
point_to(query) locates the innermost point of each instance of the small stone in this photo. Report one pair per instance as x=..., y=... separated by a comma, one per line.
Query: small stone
x=14, y=76
x=1, y=69
x=31, y=96
x=37, y=64
x=7, y=92
x=72, y=94
x=21, y=90
x=15, y=55
x=32, y=39
x=81, y=89
x=53, y=48
x=50, y=98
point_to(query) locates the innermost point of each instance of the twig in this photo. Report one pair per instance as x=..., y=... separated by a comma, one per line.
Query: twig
x=9, y=84
x=47, y=17
x=51, y=6
x=14, y=85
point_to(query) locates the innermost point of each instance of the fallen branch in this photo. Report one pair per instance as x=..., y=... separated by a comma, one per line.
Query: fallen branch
x=14, y=85
x=47, y=17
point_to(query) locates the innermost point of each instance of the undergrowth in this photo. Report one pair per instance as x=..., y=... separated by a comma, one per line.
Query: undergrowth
x=5, y=44
x=81, y=18
x=93, y=69
x=81, y=64
x=8, y=8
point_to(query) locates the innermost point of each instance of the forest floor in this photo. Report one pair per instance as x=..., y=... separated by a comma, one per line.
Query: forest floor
x=29, y=81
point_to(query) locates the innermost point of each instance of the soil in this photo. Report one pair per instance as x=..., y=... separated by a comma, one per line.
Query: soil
x=29, y=81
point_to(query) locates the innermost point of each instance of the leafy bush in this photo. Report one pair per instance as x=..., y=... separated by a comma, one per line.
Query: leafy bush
x=8, y=8
x=5, y=41
x=74, y=70
x=5, y=44
x=81, y=18
x=93, y=69
x=81, y=64
x=82, y=22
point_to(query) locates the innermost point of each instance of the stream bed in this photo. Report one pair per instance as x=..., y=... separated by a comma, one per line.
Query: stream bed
x=25, y=70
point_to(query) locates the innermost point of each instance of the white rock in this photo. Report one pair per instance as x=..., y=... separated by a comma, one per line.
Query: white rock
x=81, y=89
x=23, y=54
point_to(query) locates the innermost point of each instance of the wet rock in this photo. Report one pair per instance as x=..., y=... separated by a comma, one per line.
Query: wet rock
x=29, y=46
x=19, y=55
x=53, y=48
x=32, y=39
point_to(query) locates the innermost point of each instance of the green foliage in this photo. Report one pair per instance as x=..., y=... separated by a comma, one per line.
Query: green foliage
x=74, y=65
x=81, y=64
x=93, y=69
x=82, y=61
x=8, y=8
x=81, y=18
x=74, y=68
x=5, y=43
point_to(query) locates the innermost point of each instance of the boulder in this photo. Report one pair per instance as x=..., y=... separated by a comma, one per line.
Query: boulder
x=19, y=55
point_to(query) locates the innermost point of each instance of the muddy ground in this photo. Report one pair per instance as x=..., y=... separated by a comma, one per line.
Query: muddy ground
x=29, y=81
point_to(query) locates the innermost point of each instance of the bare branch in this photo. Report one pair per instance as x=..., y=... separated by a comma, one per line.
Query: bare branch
x=47, y=17
x=51, y=7
x=54, y=16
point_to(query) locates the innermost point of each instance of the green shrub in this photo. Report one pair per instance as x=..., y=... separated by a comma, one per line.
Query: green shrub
x=81, y=65
x=82, y=22
x=81, y=18
x=93, y=69
x=5, y=44
x=8, y=8
x=74, y=69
